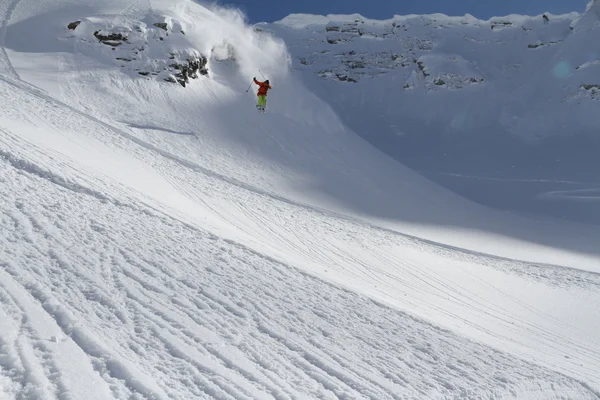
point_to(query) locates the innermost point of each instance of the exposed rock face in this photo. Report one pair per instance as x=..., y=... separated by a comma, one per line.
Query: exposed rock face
x=591, y=91
x=155, y=51
x=110, y=39
x=501, y=24
x=73, y=25
x=189, y=69
x=364, y=49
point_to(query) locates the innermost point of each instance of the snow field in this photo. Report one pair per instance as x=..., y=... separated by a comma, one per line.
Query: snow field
x=150, y=308
x=154, y=247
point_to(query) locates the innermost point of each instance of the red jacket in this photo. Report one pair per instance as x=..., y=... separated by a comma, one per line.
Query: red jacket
x=263, y=88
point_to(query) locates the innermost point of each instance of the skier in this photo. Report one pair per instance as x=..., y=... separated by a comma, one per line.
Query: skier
x=263, y=88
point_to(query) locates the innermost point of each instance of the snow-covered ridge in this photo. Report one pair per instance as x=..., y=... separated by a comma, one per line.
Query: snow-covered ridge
x=507, y=83
x=300, y=21
x=416, y=37
x=168, y=42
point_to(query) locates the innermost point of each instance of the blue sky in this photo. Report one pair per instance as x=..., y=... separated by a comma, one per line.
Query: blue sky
x=272, y=10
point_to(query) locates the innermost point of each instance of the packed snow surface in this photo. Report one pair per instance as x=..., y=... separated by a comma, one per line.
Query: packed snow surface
x=160, y=239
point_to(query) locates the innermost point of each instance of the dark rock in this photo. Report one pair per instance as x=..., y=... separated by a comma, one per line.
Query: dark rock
x=161, y=25
x=351, y=30
x=190, y=69
x=593, y=90
x=422, y=68
x=111, y=36
x=500, y=24
x=345, y=78
x=73, y=25
x=144, y=73
x=199, y=65
x=112, y=39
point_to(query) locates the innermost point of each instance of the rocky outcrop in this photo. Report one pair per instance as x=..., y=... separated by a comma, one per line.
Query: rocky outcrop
x=540, y=44
x=345, y=78
x=156, y=50
x=591, y=87
x=592, y=91
x=501, y=24
x=73, y=25
x=110, y=39
x=190, y=69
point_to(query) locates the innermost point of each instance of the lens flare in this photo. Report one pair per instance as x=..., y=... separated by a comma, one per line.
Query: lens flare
x=562, y=70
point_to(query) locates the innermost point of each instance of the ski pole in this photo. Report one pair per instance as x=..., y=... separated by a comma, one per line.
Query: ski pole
x=263, y=75
x=249, y=87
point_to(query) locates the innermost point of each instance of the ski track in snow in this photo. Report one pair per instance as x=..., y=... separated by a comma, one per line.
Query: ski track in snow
x=249, y=214
x=172, y=312
x=361, y=270
x=557, y=275
x=487, y=178
x=107, y=292
x=583, y=195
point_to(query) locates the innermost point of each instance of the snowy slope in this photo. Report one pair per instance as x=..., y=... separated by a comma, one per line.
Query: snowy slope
x=168, y=242
x=436, y=80
x=148, y=307
x=506, y=100
x=224, y=135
